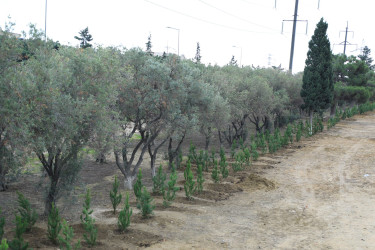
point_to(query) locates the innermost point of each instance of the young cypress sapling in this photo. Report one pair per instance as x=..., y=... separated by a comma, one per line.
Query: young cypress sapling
x=247, y=156
x=138, y=185
x=223, y=167
x=18, y=242
x=215, y=172
x=115, y=195
x=54, y=224
x=200, y=179
x=170, y=194
x=87, y=211
x=159, y=181
x=91, y=232
x=254, y=151
x=145, y=203
x=233, y=148
x=125, y=214
x=2, y=224
x=65, y=240
x=189, y=185
x=4, y=245
x=28, y=215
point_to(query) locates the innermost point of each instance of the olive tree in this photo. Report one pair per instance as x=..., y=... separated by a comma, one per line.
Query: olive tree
x=142, y=103
x=12, y=108
x=70, y=90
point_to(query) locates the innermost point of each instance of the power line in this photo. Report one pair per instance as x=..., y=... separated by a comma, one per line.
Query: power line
x=237, y=17
x=206, y=21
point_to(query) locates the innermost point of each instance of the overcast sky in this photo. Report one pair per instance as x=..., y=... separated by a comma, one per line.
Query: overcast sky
x=253, y=26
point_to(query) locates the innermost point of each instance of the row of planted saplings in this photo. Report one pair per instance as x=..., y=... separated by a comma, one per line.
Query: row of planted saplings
x=60, y=233
x=58, y=230
x=342, y=114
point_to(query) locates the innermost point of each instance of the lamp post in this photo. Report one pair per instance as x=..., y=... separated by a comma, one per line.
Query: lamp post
x=178, y=39
x=234, y=46
x=45, y=22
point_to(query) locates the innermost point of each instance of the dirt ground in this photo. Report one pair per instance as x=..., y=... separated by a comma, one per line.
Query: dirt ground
x=315, y=194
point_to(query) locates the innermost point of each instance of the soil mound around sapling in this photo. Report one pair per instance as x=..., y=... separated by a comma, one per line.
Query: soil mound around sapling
x=255, y=182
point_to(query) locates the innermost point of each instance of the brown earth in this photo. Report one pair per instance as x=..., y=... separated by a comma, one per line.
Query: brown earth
x=315, y=194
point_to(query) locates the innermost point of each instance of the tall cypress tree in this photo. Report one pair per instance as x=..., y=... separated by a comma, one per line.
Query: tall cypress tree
x=317, y=88
x=85, y=38
x=198, y=56
x=149, y=46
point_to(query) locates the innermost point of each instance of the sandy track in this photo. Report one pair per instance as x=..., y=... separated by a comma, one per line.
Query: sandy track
x=324, y=199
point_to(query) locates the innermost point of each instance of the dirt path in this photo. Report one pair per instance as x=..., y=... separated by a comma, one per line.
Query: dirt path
x=324, y=199
x=316, y=194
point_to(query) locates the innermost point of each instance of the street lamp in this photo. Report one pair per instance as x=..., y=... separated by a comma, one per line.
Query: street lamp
x=234, y=46
x=45, y=22
x=178, y=41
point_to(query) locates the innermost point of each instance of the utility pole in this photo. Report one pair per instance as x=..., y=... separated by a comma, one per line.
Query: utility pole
x=293, y=37
x=293, y=34
x=45, y=23
x=178, y=39
x=345, y=42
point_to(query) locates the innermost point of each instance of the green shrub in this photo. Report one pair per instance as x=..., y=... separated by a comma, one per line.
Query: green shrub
x=189, y=185
x=28, y=215
x=159, y=181
x=125, y=214
x=192, y=156
x=299, y=133
x=179, y=159
x=54, y=224
x=271, y=144
x=247, y=156
x=4, y=245
x=233, y=148
x=87, y=211
x=212, y=157
x=145, y=203
x=170, y=194
x=18, y=243
x=223, y=168
x=88, y=222
x=91, y=232
x=2, y=224
x=215, y=172
x=114, y=195
x=254, y=151
x=261, y=143
x=200, y=178
x=138, y=184
x=65, y=240
x=205, y=160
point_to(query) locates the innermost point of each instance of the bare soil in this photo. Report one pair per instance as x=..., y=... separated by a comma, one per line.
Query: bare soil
x=315, y=194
